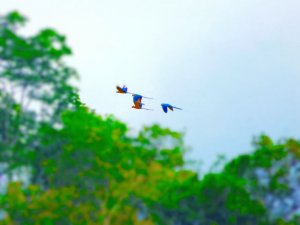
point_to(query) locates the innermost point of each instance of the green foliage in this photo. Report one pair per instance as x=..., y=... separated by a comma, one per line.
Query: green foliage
x=32, y=67
x=35, y=89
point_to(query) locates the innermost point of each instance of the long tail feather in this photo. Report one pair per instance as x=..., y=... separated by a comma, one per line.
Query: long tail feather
x=140, y=95
x=177, y=108
x=147, y=97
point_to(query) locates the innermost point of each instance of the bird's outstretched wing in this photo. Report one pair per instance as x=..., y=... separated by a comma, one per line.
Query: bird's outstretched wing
x=165, y=108
x=120, y=90
x=137, y=98
x=170, y=107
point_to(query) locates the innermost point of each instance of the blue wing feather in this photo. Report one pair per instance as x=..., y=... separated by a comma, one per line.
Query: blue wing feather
x=137, y=98
x=165, y=107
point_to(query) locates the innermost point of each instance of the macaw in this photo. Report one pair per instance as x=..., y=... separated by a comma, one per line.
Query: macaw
x=137, y=97
x=165, y=107
x=137, y=101
x=139, y=105
x=122, y=90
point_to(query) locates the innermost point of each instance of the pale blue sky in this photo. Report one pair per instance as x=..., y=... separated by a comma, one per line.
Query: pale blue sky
x=232, y=65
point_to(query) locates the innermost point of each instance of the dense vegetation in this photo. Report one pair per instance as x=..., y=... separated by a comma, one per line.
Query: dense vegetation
x=61, y=163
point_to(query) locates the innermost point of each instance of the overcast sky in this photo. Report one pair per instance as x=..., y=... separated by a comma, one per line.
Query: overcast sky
x=233, y=66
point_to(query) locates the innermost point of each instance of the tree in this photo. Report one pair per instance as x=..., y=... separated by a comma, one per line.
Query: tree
x=270, y=175
x=35, y=87
x=106, y=171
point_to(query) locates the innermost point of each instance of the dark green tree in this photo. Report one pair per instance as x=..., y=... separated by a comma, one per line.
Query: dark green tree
x=270, y=175
x=35, y=88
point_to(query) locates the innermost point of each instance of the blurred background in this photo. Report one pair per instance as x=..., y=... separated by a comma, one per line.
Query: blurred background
x=73, y=151
x=232, y=66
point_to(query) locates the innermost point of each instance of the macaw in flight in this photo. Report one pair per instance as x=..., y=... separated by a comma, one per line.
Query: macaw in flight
x=166, y=106
x=122, y=90
x=137, y=97
x=139, y=105
x=137, y=101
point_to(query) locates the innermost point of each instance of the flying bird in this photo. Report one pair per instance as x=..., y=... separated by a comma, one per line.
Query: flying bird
x=137, y=101
x=139, y=105
x=137, y=97
x=166, y=106
x=123, y=90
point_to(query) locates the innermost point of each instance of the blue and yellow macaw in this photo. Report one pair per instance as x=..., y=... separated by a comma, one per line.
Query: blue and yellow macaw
x=137, y=97
x=123, y=90
x=137, y=101
x=166, y=106
x=139, y=105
